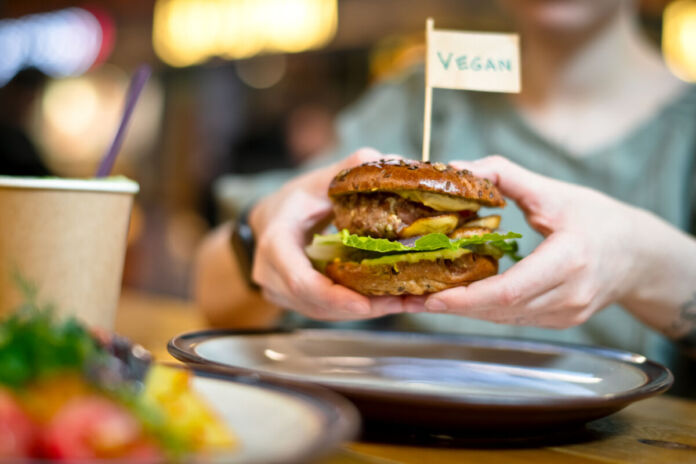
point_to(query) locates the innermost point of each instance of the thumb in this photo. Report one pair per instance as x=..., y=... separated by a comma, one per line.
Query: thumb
x=364, y=155
x=319, y=180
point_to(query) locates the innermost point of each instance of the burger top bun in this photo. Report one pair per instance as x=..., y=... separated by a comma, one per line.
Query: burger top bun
x=402, y=175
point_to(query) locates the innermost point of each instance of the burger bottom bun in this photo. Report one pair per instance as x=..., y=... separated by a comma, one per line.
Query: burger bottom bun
x=412, y=278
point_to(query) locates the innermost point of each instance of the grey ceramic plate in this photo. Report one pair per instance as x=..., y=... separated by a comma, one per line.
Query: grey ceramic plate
x=441, y=380
x=276, y=421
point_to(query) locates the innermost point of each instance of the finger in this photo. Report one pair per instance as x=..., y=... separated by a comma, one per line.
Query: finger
x=317, y=182
x=549, y=315
x=282, y=300
x=305, y=283
x=493, y=296
x=283, y=267
x=363, y=155
x=283, y=297
x=391, y=156
x=415, y=303
x=566, y=305
x=514, y=181
x=542, y=199
x=557, y=320
x=300, y=213
x=307, y=213
x=279, y=298
x=366, y=155
x=553, y=320
x=383, y=305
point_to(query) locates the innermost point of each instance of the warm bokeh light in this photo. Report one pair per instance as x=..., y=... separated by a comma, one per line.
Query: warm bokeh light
x=392, y=55
x=78, y=116
x=679, y=38
x=70, y=119
x=187, y=32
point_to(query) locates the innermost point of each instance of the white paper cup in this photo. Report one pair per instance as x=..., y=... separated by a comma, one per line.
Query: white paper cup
x=68, y=238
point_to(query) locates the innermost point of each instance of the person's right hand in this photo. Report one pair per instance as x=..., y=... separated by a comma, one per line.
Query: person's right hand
x=282, y=223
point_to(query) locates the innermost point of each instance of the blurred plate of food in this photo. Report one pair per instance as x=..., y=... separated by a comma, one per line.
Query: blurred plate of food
x=436, y=380
x=74, y=395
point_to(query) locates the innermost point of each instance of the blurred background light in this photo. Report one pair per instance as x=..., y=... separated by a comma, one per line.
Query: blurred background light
x=70, y=105
x=679, y=38
x=78, y=116
x=262, y=72
x=59, y=43
x=13, y=50
x=187, y=32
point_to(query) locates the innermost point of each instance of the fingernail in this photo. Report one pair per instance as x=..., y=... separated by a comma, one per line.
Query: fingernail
x=359, y=308
x=433, y=304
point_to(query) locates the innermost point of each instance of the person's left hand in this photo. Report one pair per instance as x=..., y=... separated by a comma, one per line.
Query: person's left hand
x=592, y=254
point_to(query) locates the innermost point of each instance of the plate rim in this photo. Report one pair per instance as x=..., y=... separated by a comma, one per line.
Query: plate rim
x=341, y=420
x=658, y=378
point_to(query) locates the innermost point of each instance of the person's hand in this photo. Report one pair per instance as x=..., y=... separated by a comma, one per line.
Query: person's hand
x=588, y=260
x=282, y=224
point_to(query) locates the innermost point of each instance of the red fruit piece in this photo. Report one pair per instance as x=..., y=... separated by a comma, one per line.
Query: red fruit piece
x=17, y=432
x=95, y=427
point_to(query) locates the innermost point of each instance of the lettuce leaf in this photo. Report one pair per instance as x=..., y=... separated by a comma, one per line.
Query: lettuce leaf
x=508, y=249
x=349, y=247
x=428, y=242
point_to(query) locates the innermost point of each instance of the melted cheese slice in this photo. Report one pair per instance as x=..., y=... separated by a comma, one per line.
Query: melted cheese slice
x=438, y=201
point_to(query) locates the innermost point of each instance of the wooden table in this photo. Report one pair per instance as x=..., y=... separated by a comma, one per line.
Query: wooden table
x=657, y=430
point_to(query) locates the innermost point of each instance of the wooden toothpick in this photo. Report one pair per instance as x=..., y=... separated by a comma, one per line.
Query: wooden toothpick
x=429, y=24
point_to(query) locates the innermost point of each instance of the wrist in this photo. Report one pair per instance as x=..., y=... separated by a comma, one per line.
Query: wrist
x=646, y=236
x=664, y=274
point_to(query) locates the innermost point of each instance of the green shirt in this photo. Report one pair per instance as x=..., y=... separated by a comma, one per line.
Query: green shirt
x=653, y=167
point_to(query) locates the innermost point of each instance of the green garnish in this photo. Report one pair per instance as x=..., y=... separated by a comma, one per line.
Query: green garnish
x=509, y=248
x=33, y=344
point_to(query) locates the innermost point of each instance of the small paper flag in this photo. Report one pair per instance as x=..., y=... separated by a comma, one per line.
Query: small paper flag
x=474, y=61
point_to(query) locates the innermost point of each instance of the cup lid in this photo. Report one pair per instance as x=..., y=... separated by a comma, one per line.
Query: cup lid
x=115, y=184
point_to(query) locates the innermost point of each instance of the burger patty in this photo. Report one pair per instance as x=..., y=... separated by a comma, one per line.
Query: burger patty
x=380, y=214
x=412, y=278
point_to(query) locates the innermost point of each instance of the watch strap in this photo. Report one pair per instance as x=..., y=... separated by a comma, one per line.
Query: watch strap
x=244, y=247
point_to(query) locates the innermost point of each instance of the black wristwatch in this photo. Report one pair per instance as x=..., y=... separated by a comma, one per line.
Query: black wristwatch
x=244, y=246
